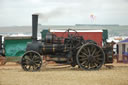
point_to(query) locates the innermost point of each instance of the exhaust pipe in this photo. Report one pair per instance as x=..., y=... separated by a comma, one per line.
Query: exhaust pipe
x=34, y=27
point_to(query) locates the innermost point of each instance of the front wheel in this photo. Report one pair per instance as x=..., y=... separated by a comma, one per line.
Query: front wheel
x=31, y=61
x=90, y=57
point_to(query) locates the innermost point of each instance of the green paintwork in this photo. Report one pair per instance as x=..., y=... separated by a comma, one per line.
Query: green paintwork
x=105, y=34
x=44, y=32
x=15, y=46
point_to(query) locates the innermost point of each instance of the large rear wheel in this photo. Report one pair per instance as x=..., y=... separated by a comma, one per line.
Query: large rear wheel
x=90, y=57
x=31, y=61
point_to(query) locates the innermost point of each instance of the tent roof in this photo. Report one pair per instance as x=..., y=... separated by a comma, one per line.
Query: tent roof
x=124, y=41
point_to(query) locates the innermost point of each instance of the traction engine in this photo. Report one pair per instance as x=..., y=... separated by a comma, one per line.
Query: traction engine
x=73, y=50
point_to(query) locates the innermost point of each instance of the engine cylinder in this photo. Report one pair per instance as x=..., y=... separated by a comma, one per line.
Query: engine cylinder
x=52, y=39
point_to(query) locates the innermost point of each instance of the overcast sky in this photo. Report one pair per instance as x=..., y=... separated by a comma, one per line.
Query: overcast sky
x=63, y=12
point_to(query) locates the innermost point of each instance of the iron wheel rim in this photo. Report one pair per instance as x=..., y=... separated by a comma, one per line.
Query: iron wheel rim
x=90, y=61
x=31, y=61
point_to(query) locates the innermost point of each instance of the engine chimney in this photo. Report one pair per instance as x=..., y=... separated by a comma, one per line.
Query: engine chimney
x=0, y=42
x=34, y=26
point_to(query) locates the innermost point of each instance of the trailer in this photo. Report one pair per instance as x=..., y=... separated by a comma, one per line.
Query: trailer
x=13, y=48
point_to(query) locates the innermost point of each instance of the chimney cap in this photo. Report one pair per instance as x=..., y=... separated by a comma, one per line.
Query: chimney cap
x=35, y=15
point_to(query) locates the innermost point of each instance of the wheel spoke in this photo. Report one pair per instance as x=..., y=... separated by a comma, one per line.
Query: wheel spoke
x=97, y=62
x=27, y=58
x=84, y=54
x=31, y=56
x=95, y=65
x=36, y=61
x=92, y=65
x=84, y=50
x=94, y=51
x=34, y=67
x=83, y=63
x=34, y=57
x=97, y=55
x=92, y=47
x=89, y=53
x=99, y=58
x=97, y=52
x=87, y=64
x=82, y=59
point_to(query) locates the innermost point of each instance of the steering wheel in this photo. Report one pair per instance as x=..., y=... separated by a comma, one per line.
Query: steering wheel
x=70, y=35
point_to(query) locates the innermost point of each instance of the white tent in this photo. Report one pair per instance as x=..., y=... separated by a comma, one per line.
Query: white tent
x=122, y=48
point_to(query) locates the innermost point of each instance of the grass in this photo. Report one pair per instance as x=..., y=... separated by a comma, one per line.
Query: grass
x=64, y=76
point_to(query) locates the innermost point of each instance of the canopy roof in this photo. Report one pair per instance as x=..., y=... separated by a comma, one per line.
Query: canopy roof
x=124, y=41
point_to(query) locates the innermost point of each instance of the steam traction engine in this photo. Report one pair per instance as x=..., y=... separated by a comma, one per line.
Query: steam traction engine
x=73, y=50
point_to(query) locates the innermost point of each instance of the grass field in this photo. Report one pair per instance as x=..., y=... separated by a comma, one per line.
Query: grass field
x=64, y=75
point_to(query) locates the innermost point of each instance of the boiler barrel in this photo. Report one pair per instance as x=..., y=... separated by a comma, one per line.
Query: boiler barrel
x=54, y=48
